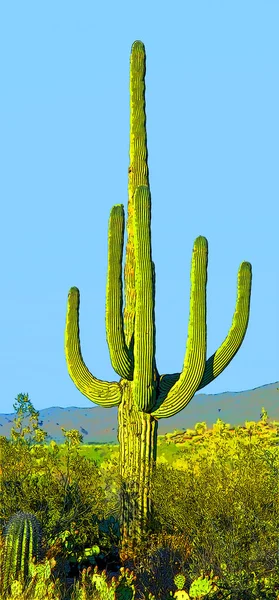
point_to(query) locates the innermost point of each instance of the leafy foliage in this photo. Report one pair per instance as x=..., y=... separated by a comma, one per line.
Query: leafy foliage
x=215, y=506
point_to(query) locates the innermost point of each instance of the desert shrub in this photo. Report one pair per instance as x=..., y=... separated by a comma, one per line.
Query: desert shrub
x=15, y=467
x=159, y=561
x=57, y=487
x=222, y=503
x=226, y=508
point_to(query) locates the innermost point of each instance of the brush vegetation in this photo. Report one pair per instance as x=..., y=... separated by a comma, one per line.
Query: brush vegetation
x=216, y=516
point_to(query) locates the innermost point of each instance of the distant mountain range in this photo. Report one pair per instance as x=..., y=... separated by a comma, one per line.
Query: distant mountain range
x=99, y=425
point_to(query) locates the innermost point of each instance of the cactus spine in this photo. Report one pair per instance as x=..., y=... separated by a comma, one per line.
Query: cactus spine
x=23, y=536
x=142, y=395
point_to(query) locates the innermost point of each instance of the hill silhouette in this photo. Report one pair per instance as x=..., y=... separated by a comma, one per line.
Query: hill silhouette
x=99, y=425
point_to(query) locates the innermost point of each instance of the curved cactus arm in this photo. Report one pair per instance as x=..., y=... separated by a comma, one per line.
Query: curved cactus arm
x=225, y=353
x=185, y=387
x=101, y=392
x=231, y=344
x=121, y=357
x=144, y=383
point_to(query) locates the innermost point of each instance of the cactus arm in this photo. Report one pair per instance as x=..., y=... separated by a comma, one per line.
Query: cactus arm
x=185, y=387
x=144, y=383
x=104, y=393
x=121, y=357
x=156, y=373
x=228, y=349
x=230, y=346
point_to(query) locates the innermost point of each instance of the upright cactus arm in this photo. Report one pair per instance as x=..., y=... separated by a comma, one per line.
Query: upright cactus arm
x=104, y=393
x=231, y=344
x=156, y=372
x=121, y=356
x=227, y=350
x=183, y=390
x=144, y=381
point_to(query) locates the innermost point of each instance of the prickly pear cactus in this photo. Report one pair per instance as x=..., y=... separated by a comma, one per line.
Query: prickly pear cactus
x=16, y=589
x=200, y=587
x=109, y=529
x=181, y=595
x=23, y=537
x=107, y=592
x=121, y=590
x=179, y=581
x=125, y=592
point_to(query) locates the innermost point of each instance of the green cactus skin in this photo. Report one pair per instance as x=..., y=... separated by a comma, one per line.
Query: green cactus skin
x=142, y=395
x=200, y=587
x=23, y=536
x=179, y=581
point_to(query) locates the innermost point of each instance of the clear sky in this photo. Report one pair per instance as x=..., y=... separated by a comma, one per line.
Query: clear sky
x=213, y=130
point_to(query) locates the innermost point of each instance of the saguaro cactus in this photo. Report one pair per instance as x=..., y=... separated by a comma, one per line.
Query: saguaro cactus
x=142, y=395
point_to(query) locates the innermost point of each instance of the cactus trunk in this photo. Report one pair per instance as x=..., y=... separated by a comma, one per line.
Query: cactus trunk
x=137, y=436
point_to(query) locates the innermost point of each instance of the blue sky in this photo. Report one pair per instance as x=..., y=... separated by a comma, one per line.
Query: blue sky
x=212, y=125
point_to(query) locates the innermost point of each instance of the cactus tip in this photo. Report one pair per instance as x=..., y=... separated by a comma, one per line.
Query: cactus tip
x=245, y=270
x=200, y=243
x=246, y=266
x=73, y=294
x=138, y=45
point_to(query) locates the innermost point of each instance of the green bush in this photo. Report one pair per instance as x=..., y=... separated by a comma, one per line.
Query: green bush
x=54, y=483
x=226, y=503
x=221, y=500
